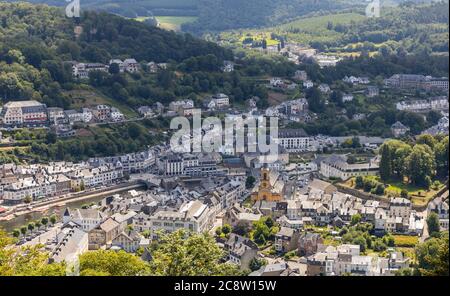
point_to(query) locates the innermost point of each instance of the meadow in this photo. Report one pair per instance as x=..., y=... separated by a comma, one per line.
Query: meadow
x=170, y=22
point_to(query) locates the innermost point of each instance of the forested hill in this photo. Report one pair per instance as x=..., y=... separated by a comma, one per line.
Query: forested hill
x=133, y=8
x=104, y=35
x=35, y=40
x=218, y=15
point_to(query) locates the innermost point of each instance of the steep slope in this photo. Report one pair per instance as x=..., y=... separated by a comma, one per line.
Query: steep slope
x=35, y=40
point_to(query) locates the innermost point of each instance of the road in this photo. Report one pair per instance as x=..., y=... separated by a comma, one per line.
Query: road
x=51, y=232
x=425, y=233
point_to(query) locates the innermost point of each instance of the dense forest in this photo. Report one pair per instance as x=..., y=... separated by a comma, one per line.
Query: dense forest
x=134, y=8
x=416, y=28
x=36, y=40
x=218, y=15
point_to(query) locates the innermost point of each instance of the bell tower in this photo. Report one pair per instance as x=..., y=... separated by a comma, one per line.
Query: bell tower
x=265, y=178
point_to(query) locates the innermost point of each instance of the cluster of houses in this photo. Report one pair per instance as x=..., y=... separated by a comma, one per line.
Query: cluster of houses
x=119, y=221
x=294, y=110
x=189, y=191
x=38, y=181
x=418, y=106
x=321, y=204
x=130, y=65
x=347, y=259
x=81, y=70
x=172, y=203
x=276, y=82
x=186, y=107
x=36, y=114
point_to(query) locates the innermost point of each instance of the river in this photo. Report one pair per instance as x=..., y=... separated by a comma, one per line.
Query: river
x=24, y=219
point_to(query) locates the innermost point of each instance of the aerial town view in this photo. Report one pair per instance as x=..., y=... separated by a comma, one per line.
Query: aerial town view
x=224, y=138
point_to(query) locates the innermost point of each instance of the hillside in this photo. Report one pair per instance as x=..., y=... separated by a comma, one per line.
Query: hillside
x=414, y=28
x=35, y=40
x=219, y=15
x=135, y=8
x=216, y=15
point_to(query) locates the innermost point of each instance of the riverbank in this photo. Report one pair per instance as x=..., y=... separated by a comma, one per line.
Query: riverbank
x=21, y=217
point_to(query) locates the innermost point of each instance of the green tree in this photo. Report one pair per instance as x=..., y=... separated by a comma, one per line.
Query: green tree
x=27, y=199
x=30, y=226
x=420, y=164
x=359, y=182
x=257, y=263
x=44, y=221
x=114, y=68
x=379, y=245
x=226, y=229
x=356, y=218
x=442, y=155
x=23, y=230
x=53, y=219
x=16, y=232
x=385, y=163
x=250, y=182
x=112, y=263
x=379, y=190
x=433, y=224
x=269, y=222
x=404, y=193
x=426, y=139
x=189, y=254
x=25, y=261
x=432, y=256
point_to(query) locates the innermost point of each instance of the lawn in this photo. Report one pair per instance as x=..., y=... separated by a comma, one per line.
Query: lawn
x=170, y=22
x=331, y=241
x=307, y=30
x=406, y=241
x=88, y=98
x=260, y=36
x=304, y=30
x=247, y=203
x=419, y=195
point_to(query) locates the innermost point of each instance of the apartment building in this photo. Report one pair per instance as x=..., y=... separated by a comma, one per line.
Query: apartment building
x=336, y=166
x=294, y=140
x=24, y=113
x=193, y=216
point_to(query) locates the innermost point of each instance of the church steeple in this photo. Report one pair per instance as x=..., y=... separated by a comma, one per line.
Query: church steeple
x=265, y=190
x=265, y=178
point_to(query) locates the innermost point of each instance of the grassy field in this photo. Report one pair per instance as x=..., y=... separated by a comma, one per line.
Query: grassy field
x=419, y=196
x=85, y=98
x=304, y=30
x=259, y=36
x=406, y=241
x=170, y=22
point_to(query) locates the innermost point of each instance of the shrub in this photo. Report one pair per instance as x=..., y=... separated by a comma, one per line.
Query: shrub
x=379, y=190
x=359, y=182
x=404, y=193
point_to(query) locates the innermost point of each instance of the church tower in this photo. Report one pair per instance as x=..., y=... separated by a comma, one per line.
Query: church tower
x=266, y=190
